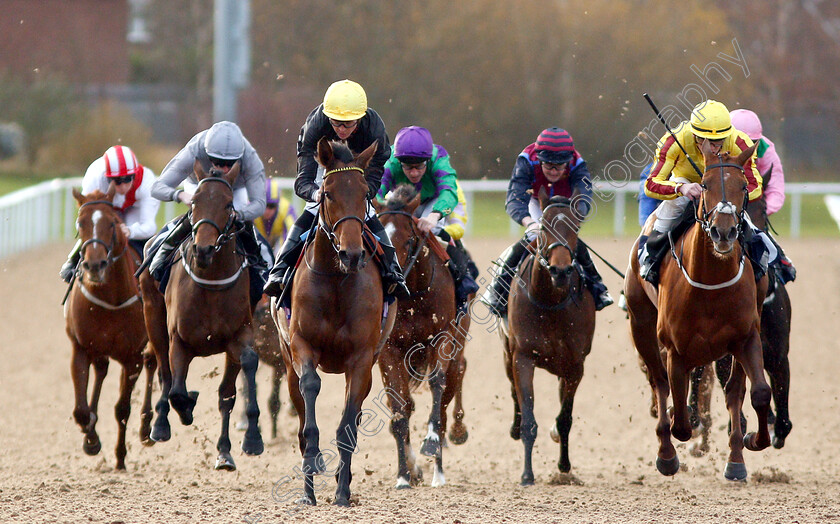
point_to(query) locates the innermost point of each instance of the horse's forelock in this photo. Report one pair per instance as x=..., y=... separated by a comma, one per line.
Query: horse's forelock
x=401, y=196
x=341, y=152
x=558, y=199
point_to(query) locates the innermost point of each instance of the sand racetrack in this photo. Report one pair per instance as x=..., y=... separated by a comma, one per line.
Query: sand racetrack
x=45, y=476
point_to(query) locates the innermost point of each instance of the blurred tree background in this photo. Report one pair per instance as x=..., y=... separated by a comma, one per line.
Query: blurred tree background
x=486, y=76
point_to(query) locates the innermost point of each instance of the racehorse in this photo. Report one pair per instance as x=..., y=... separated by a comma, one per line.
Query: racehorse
x=775, y=342
x=336, y=321
x=706, y=276
x=426, y=344
x=206, y=311
x=105, y=320
x=551, y=323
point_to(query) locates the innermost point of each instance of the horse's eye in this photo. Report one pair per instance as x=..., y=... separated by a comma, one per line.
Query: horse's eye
x=327, y=195
x=704, y=187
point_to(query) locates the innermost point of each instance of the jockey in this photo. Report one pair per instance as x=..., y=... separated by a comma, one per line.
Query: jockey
x=133, y=198
x=417, y=160
x=675, y=181
x=343, y=116
x=279, y=216
x=219, y=147
x=551, y=163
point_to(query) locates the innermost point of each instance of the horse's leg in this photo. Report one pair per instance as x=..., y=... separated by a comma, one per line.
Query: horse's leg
x=252, y=444
x=458, y=432
x=80, y=372
x=702, y=383
x=516, y=426
x=274, y=398
x=309, y=386
x=752, y=362
x=734, y=390
x=181, y=401
x=92, y=445
x=443, y=391
x=154, y=315
x=523, y=366
x=358, y=383
x=431, y=445
x=227, y=399
x=150, y=364
x=563, y=423
x=723, y=369
x=678, y=380
x=775, y=326
x=242, y=390
x=396, y=381
x=122, y=410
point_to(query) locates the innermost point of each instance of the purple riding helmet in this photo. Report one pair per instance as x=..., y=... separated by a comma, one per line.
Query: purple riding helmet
x=413, y=145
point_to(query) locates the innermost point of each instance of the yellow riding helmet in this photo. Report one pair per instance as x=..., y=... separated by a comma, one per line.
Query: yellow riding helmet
x=710, y=119
x=345, y=100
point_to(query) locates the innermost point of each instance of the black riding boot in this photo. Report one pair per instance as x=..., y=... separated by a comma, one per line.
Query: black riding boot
x=281, y=274
x=496, y=297
x=69, y=268
x=247, y=237
x=593, y=279
x=160, y=261
x=392, y=277
x=654, y=249
x=459, y=266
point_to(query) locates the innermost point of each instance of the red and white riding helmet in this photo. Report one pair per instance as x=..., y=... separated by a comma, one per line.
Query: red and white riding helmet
x=120, y=161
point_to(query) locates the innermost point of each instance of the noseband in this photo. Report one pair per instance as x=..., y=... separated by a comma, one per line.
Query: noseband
x=109, y=258
x=543, y=258
x=226, y=233
x=724, y=206
x=326, y=224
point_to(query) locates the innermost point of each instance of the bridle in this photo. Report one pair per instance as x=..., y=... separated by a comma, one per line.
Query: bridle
x=110, y=257
x=724, y=206
x=225, y=234
x=418, y=237
x=326, y=223
x=543, y=258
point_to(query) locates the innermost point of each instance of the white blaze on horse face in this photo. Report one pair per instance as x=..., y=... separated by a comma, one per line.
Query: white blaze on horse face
x=727, y=208
x=97, y=216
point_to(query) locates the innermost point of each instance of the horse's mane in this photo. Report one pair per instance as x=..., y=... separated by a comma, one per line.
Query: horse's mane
x=563, y=201
x=401, y=196
x=341, y=152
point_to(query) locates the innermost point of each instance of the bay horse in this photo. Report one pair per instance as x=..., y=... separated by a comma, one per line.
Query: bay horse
x=426, y=344
x=707, y=305
x=336, y=322
x=775, y=342
x=551, y=324
x=104, y=320
x=206, y=310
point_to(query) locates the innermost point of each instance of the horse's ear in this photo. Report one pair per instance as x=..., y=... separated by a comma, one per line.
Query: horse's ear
x=412, y=204
x=745, y=155
x=377, y=206
x=543, y=197
x=80, y=198
x=365, y=156
x=198, y=170
x=231, y=175
x=325, y=152
x=112, y=190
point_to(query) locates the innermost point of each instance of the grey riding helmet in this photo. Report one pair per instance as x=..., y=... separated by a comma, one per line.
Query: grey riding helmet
x=224, y=141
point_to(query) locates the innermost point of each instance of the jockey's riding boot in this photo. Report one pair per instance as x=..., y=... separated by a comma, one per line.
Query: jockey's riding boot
x=392, y=277
x=69, y=267
x=785, y=270
x=593, y=279
x=281, y=274
x=496, y=296
x=649, y=261
x=176, y=236
x=465, y=284
x=247, y=237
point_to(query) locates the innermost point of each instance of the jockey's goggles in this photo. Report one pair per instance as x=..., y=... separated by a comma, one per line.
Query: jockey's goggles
x=419, y=166
x=554, y=167
x=119, y=180
x=346, y=124
x=222, y=162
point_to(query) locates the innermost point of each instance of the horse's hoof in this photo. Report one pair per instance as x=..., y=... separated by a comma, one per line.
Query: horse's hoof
x=735, y=471
x=252, y=446
x=459, y=435
x=751, y=442
x=515, y=431
x=341, y=501
x=555, y=435
x=430, y=447
x=402, y=483
x=183, y=405
x=527, y=480
x=306, y=501
x=668, y=467
x=314, y=465
x=160, y=433
x=778, y=442
x=92, y=447
x=225, y=462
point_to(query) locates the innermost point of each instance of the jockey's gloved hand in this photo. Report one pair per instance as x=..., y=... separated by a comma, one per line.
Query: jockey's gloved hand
x=237, y=216
x=532, y=230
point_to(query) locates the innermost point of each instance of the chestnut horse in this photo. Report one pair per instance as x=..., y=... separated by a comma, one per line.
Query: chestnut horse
x=426, y=344
x=550, y=325
x=206, y=311
x=105, y=320
x=336, y=322
x=707, y=306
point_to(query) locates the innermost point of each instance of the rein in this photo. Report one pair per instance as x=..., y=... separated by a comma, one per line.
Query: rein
x=574, y=294
x=325, y=222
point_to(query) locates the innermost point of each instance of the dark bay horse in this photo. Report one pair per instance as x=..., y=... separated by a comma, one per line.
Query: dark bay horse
x=775, y=343
x=206, y=311
x=707, y=306
x=550, y=325
x=427, y=342
x=336, y=321
x=105, y=320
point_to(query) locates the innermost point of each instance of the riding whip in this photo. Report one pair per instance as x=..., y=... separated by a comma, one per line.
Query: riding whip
x=658, y=114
